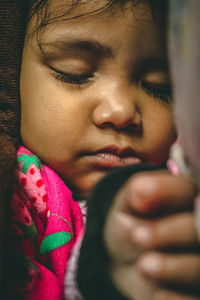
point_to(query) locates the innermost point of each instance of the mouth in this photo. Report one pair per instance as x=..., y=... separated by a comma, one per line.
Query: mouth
x=112, y=157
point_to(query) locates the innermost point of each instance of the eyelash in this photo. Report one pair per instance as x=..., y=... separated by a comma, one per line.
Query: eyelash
x=157, y=91
x=79, y=79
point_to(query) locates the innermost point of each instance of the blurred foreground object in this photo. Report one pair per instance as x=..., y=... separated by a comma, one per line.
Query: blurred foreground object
x=184, y=47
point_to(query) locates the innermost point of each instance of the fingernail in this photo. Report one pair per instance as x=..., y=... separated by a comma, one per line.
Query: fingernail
x=144, y=185
x=150, y=264
x=143, y=235
x=143, y=188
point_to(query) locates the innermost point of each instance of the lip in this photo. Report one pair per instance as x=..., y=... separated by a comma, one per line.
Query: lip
x=112, y=157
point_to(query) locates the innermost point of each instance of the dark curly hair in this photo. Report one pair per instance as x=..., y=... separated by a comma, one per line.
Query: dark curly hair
x=45, y=16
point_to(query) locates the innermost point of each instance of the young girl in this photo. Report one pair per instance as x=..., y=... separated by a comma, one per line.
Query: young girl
x=93, y=98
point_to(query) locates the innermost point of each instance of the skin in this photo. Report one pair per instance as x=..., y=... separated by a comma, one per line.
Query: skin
x=111, y=109
x=135, y=241
x=148, y=194
x=66, y=123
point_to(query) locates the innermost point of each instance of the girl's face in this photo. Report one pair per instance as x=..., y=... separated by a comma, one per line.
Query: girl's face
x=95, y=93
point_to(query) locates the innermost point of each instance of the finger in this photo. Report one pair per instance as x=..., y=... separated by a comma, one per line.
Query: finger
x=176, y=230
x=180, y=269
x=152, y=191
x=117, y=236
x=170, y=295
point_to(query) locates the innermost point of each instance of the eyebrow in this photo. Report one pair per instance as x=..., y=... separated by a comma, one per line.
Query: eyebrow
x=150, y=64
x=76, y=46
x=93, y=50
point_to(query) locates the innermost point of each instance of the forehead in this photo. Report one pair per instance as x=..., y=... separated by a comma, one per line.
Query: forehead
x=80, y=11
x=74, y=8
x=91, y=19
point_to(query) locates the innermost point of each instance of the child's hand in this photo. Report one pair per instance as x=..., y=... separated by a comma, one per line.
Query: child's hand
x=151, y=238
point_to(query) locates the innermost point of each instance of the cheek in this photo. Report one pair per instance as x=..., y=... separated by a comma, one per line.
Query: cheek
x=42, y=125
x=160, y=134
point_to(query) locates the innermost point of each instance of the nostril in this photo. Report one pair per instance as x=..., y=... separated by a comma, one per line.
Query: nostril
x=133, y=128
x=128, y=128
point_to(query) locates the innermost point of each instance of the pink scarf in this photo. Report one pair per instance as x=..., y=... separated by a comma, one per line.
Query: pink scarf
x=47, y=222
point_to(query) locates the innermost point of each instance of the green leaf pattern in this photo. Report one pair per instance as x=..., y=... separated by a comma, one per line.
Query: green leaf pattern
x=27, y=161
x=54, y=241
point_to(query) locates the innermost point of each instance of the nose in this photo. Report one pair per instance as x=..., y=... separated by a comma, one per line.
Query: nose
x=117, y=107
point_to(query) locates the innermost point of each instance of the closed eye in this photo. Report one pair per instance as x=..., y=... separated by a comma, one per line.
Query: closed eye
x=162, y=92
x=70, y=78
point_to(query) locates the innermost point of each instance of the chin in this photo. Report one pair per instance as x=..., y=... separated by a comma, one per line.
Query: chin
x=82, y=188
x=83, y=195
x=83, y=192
